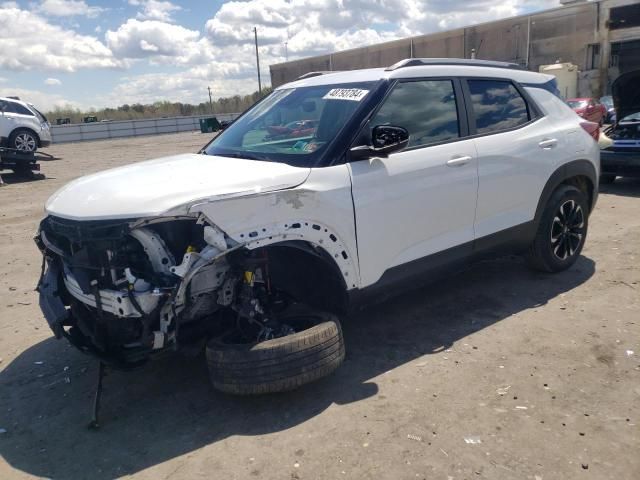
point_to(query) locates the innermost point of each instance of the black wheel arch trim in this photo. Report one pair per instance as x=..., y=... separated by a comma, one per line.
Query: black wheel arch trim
x=576, y=168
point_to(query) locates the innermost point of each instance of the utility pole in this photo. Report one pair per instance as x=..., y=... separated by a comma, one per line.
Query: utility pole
x=255, y=32
x=210, y=101
x=286, y=52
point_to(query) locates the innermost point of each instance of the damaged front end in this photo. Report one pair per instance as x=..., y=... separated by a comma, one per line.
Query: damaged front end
x=124, y=290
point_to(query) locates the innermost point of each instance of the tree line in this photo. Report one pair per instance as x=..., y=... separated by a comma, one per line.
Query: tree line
x=234, y=104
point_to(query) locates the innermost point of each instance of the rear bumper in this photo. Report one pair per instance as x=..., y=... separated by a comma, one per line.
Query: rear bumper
x=620, y=163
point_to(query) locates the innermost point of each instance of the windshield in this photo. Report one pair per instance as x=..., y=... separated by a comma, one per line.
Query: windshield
x=608, y=101
x=577, y=103
x=293, y=125
x=634, y=117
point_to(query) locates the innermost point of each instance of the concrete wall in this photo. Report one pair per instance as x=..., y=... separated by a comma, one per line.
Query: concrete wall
x=440, y=45
x=562, y=34
x=129, y=128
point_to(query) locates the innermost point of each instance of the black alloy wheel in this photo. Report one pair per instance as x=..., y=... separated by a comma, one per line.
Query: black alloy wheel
x=568, y=230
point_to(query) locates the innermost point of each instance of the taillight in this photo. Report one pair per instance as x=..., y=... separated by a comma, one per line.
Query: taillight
x=592, y=129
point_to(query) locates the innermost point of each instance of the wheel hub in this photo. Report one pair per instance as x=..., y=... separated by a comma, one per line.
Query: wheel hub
x=567, y=230
x=25, y=142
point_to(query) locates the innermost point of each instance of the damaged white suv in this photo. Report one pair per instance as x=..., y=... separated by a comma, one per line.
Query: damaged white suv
x=335, y=189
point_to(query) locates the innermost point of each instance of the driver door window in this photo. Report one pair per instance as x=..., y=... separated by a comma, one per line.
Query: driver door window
x=426, y=108
x=420, y=200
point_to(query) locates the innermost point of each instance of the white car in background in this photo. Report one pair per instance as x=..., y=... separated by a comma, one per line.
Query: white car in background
x=22, y=126
x=253, y=246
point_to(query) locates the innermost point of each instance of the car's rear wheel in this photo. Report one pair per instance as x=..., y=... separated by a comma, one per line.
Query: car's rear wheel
x=562, y=231
x=314, y=350
x=607, y=179
x=23, y=140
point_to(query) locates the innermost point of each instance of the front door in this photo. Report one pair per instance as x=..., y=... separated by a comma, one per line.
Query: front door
x=421, y=200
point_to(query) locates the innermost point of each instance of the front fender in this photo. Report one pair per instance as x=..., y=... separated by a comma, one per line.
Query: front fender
x=320, y=212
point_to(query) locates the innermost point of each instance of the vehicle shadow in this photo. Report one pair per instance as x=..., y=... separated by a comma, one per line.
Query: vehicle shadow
x=168, y=409
x=12, y=178
x=625, y=187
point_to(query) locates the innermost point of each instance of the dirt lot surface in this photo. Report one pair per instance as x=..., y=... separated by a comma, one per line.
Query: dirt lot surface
x=498, y=373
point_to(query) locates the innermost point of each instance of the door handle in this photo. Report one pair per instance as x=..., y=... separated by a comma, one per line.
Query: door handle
x=458, y=161
x=548, y=143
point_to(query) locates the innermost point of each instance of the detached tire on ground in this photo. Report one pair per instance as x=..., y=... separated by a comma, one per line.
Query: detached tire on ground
x=279, y=364
x=562, y=231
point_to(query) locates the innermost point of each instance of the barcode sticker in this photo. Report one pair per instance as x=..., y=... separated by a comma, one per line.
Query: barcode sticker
x=353, y=94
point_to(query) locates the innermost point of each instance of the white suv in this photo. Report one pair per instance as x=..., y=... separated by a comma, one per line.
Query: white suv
x=22, y=126
x=336, y=189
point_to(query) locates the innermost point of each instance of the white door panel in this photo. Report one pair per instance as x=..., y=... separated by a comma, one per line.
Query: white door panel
x=513, y=168
x=413, y=204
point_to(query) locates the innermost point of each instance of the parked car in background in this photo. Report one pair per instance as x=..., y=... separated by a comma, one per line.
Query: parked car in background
x=254, y=246
x=607, y=101
x=298, y=128
x=589, y=108
x=22, y=126
x=621, y=155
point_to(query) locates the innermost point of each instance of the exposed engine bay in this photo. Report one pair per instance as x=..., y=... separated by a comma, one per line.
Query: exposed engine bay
x=624, y=131
x=124, y=290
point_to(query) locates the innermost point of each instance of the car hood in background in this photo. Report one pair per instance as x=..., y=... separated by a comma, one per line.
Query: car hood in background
x=625, y=91
x=153, y=187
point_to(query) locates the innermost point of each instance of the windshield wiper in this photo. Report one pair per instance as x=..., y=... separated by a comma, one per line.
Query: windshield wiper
x=245, y=156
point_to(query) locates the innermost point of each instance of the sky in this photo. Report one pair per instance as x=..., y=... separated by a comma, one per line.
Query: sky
x=97, y=53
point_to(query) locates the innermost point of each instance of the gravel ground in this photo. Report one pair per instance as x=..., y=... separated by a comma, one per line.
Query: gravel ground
x=498, y=373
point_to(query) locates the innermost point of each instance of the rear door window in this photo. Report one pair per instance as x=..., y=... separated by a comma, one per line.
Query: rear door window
x=497, y=105
x=426, y=108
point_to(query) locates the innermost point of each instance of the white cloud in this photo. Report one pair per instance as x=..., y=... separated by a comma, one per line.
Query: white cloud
x=188, y=87
x=322, y=26
x=160, y=41
x=29, y=42
x=68, y=8
x=155, y=9
x=52, y=81
x=43, y=101
x=225, y=57
x=221, y=53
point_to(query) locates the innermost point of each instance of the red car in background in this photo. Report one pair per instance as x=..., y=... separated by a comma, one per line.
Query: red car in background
x=589, y=108
x=299, y=128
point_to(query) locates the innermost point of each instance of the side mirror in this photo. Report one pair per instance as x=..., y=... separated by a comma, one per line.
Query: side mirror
x=385, y=139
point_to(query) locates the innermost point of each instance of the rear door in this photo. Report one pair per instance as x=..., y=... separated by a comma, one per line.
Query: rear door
x=421, y=200
x=518, y=149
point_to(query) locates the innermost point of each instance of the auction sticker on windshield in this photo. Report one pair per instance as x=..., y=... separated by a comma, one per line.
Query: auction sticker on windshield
x=353, y=94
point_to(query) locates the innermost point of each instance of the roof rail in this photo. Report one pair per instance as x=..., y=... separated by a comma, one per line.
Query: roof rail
x=313, y=74
x=417, y=62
